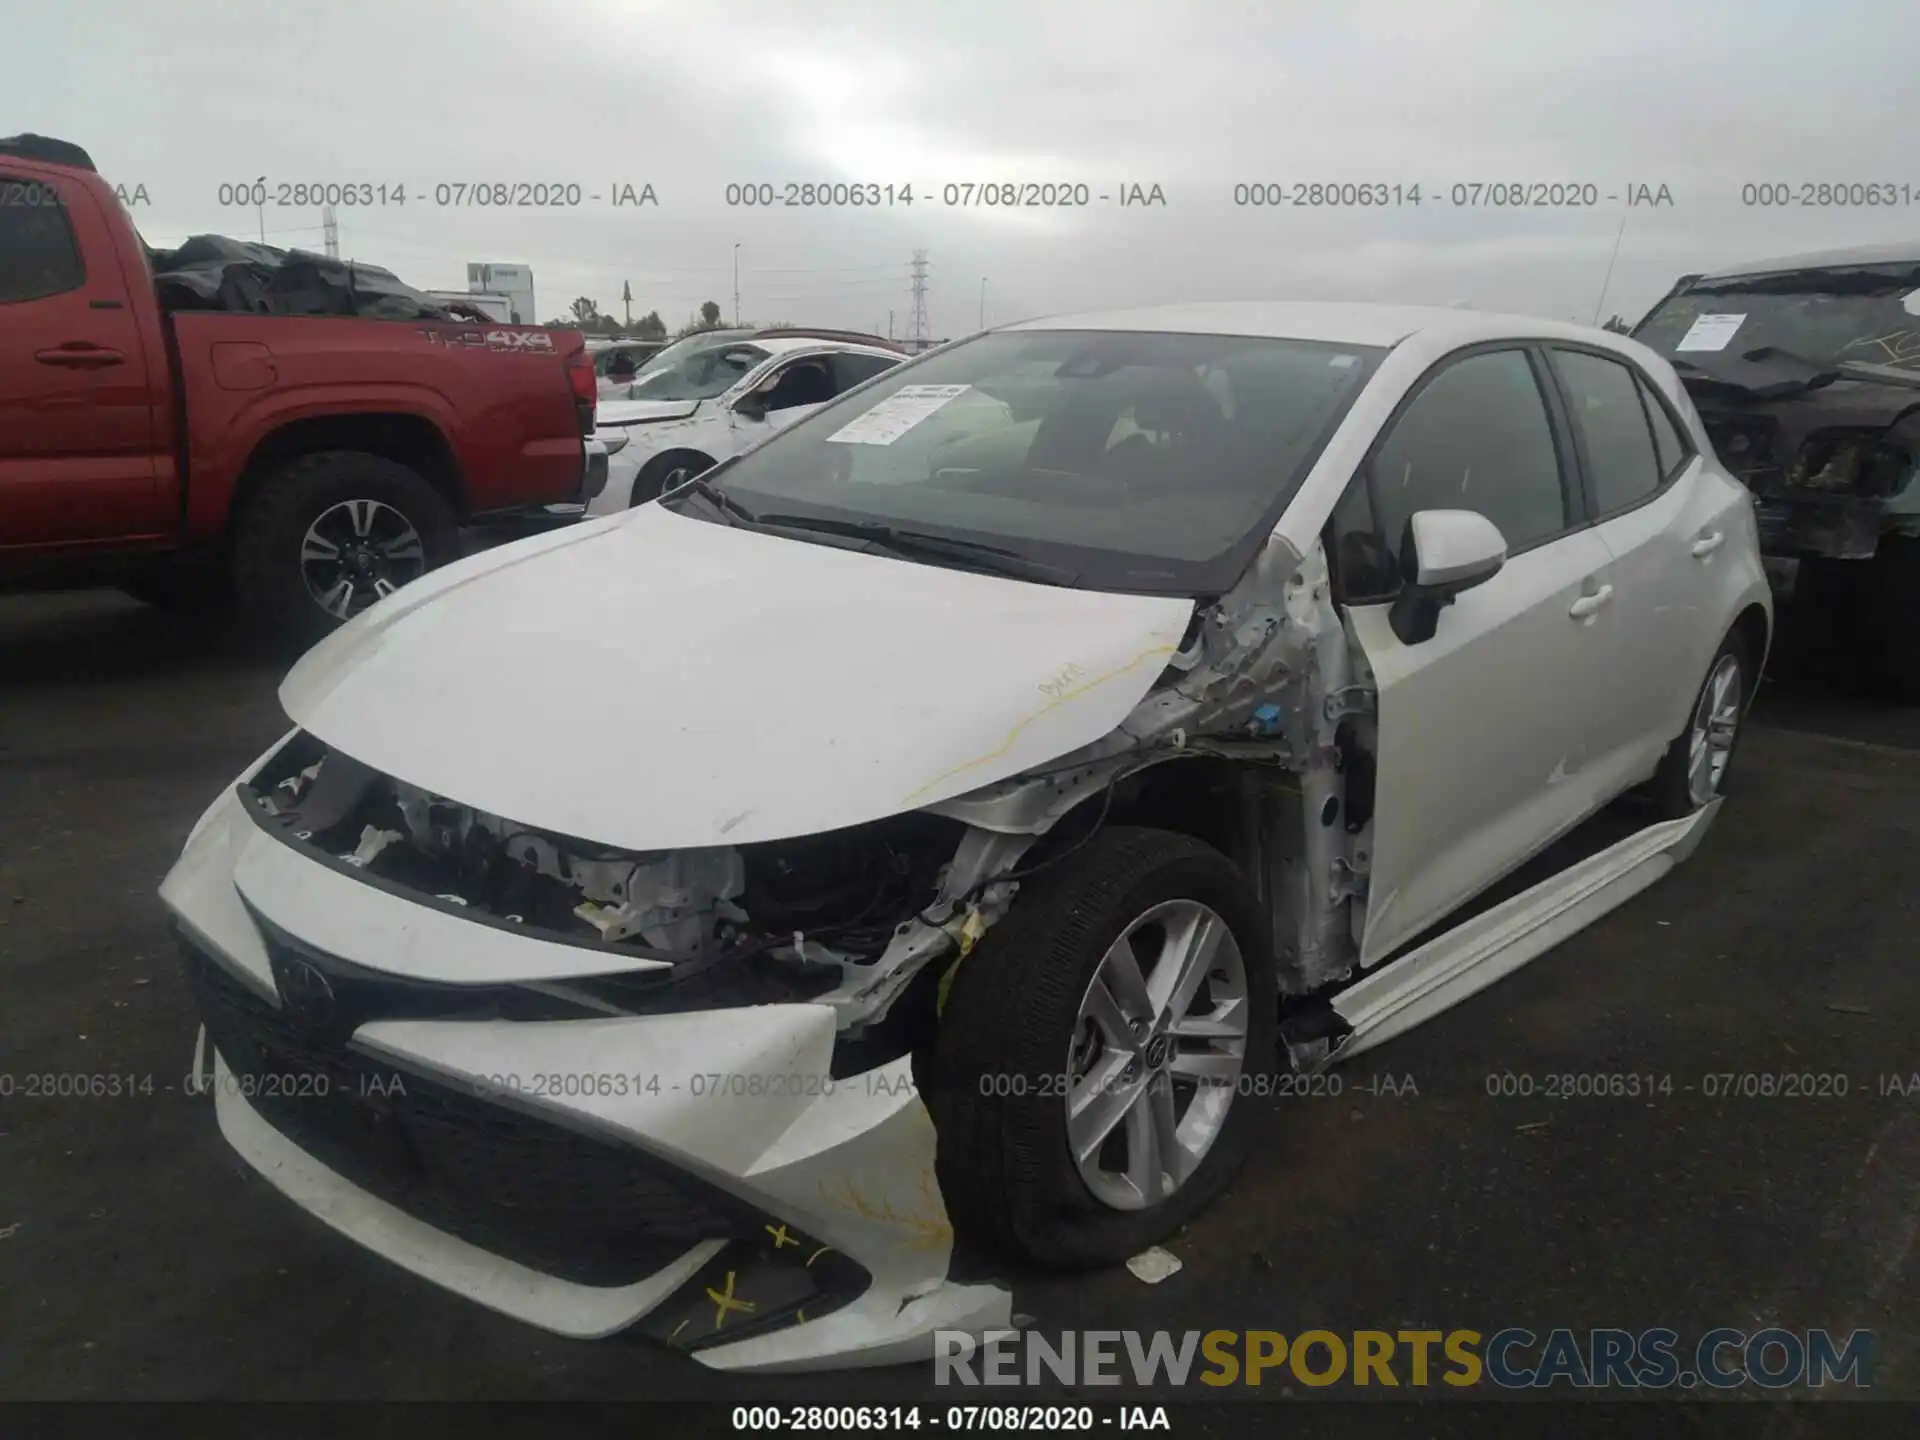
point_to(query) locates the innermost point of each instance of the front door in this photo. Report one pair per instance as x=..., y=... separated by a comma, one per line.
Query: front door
x=1485, y=731
x=77, y=422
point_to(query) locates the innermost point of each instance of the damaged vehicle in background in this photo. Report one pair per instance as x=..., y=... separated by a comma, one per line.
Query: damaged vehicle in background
x=738, y=401
x=994, y=781
x=1806, y=371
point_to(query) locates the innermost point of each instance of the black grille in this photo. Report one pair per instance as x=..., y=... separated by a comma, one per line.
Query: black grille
x=566, y=1204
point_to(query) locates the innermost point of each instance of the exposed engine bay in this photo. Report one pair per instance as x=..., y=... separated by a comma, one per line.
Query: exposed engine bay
x=1258, y=738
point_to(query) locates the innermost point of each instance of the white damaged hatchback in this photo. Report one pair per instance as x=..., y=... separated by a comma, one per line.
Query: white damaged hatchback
x=766, y=919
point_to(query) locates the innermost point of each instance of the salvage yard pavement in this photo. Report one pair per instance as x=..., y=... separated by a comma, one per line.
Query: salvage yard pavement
x=139, y=1258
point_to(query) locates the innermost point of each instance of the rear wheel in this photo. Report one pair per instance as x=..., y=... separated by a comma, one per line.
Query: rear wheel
x=1694, y=769
x=667, y=472
x=333, y=533
x=1095, y=1053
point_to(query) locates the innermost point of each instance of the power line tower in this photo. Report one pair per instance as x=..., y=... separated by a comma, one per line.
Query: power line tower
x=917, y=318
x=331, y=227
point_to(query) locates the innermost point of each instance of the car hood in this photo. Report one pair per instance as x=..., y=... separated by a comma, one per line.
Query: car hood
x=654, y=682
x=640, y=412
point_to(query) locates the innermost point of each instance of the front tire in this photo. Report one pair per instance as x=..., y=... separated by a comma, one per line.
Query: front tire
x=667, y=472
x=1693, y=772
x=330, y=534
x=1094, y=1054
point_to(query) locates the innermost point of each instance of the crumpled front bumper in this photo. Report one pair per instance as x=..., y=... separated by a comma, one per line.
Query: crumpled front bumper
x=698, y=1176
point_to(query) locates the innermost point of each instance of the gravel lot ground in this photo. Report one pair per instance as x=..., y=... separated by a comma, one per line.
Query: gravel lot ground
x=139, y=1259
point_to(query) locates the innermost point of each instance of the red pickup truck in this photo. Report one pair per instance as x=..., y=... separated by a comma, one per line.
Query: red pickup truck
x=309, y=462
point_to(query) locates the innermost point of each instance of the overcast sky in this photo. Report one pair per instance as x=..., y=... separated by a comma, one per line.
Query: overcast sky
x=1194, y=97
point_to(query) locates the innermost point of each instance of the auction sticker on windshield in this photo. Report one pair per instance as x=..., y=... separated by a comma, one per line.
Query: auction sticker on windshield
x=1710, y=332
x=897, y=414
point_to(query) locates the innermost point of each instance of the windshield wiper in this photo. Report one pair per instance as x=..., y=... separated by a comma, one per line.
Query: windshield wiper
x=703, y=486
x=919, y=544
x=1863, y=369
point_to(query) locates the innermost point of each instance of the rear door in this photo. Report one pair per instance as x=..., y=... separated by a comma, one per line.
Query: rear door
x=78, y=407
x=1665, y=521
x=1485, y=732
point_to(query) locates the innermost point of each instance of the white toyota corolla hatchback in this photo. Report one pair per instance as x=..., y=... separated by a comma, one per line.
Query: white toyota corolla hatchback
x=766, y=918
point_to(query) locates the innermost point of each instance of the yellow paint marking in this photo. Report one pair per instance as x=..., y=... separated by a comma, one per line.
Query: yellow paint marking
x=823, y=1250
x=1058, y=699
x=722, y=1303
x=678, y=1328
x=800, y=1315
x=781, y=1237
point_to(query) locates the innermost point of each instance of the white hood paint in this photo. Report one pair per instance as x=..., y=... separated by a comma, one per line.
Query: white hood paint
x=656, y=682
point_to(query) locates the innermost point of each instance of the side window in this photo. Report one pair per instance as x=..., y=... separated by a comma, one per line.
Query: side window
x=1476, y=437
x=1613, y=423
x=38, y=256
x=1672, y=447
x=852, y=370
x=805, y=382
x=1364, y=569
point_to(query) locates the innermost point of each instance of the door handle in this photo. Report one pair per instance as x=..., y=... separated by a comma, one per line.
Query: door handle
x=1587, y=604
x=80, y=356
x=1707, y=544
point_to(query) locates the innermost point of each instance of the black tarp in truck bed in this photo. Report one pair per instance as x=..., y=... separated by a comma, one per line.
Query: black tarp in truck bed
x=216, y=272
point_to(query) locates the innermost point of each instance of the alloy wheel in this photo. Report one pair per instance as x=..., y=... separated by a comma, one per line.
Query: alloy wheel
x=1156, y=1056
x=1716, y=722
x=357, y=552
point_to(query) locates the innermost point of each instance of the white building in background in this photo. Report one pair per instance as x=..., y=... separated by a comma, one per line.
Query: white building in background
x=513, y=281
x=496, y=306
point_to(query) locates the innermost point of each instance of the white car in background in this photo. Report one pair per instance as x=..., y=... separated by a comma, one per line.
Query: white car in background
x=901, y=879
x=711, y=403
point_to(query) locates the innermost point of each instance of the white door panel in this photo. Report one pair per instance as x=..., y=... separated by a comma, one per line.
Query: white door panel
x=1486, y=732
x=1670, y=617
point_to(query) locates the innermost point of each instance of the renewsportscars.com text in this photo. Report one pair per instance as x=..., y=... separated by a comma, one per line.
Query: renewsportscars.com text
x=1508, y=1359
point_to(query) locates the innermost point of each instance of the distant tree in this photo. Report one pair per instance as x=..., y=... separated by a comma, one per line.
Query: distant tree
x=710, y=314
x=608, y=326
x=585, y=311
x=650, y=327
x=1617, y=324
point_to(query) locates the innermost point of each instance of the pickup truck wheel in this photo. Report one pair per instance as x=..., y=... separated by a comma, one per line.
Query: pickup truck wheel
x=667, y=472
x=1893, y=618
x=332, y=533
x=1096, y=1054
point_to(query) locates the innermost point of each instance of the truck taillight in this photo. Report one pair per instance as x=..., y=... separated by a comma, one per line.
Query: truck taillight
x=586, y=388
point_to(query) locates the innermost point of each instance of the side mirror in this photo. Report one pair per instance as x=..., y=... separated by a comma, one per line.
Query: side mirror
x=1442, y=554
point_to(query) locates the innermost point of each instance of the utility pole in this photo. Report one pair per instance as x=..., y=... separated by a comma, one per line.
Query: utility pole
x=736, y=284
x=330, y=227
x=889, y=324
x=983, y=302
x=917, y=320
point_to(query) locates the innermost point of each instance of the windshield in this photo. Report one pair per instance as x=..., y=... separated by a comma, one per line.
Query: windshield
x=689, y=369
x=1821, y=322
x=1147, y=462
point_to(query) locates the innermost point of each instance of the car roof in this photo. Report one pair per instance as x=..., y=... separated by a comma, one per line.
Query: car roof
x=788, y=344
x=1903, y=253
x=1338, y=322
